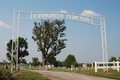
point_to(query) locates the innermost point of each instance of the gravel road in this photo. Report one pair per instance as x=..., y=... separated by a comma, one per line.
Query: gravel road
x=68, y=75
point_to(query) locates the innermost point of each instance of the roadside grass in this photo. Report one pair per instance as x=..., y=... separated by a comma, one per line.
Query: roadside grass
x=112, y=74
x=28, y=75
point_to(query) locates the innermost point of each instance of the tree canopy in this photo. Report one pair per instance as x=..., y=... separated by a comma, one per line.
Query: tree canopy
x=22, y=49
x=48, y=36
x=23, y=61
x=70, y=60
x=52, y=60
x=35, y=61
x=112, y=58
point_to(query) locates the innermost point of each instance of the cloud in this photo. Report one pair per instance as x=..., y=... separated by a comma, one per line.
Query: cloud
x=29, y=33
x=2, y=24
x=5, y=42
x=89, y=13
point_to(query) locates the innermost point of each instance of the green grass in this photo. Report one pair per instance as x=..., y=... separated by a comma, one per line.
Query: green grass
x=113, y=74
x=28, y=75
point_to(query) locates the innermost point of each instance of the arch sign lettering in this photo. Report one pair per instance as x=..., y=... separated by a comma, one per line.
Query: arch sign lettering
x=20, y=15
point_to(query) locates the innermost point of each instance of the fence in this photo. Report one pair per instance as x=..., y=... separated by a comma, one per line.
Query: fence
x=103, y=67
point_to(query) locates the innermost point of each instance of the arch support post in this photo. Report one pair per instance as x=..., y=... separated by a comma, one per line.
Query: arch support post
x=12, y=42
x=104, y=45
x=17, y=41
x=95, y=66
x=15, y=35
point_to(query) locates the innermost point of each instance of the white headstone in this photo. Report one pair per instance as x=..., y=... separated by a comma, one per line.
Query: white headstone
x=68, y=69
x=30, y=66
x=52, y=66
x=84, y=67
x=49, y=67
x=46, y=67
x=114, y=66
x=71, y=67
x=63, y=67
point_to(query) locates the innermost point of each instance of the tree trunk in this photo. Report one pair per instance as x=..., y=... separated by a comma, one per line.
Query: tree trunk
x=15, y=66
x=43, y=61
x=43, y=64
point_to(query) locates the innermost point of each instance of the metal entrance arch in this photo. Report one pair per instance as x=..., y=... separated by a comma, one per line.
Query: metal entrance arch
x=20, y=15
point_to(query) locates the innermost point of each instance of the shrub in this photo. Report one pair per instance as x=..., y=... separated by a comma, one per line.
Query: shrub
x=5, y=75
x=34, y=64
x=75, y=64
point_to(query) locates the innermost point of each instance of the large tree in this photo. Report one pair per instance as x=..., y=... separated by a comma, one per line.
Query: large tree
x=48, y=36
x=22, y=49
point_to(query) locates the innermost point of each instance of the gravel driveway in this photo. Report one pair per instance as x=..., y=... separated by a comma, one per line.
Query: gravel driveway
x=68, y=75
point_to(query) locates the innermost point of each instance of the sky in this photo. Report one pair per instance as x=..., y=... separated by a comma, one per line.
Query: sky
x=84, y=40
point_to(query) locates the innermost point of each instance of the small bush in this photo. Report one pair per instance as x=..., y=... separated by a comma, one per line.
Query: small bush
x=5, y=75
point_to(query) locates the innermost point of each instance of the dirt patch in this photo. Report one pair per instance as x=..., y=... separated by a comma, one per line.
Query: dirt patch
x=86, y=72
x=49, y=78
x=109, y=73
x=18, y=77
x=21, y=73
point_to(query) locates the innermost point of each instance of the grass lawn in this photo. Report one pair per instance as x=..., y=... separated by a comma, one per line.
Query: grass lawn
x=113, y=74
x=28, y=75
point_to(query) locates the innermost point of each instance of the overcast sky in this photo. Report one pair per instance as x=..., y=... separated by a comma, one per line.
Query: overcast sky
x=84, y=40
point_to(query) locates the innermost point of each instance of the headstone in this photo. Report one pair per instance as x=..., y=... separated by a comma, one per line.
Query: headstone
x=68, y=69
x=84, y=67
x=52, y=66
x=49, y=67
x=30, y=66
x=88, y=68
x=40, y=67
x=92, y=65
x=71, y=67
x=77, y=68
x=114, y=68
x=46, y=67
x=98, y=65
x=63, y=67
x=74, y=68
